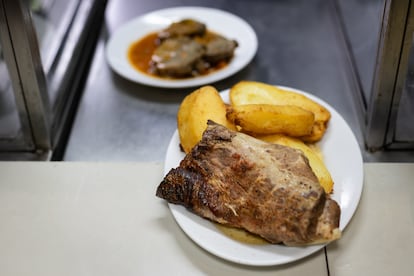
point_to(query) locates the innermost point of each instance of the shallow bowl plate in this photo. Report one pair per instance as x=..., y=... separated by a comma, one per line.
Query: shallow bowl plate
x=221, y=22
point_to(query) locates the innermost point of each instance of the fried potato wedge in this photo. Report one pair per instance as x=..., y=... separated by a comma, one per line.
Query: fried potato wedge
x=251, y=92
x=315, y=161
x=318, y=130
x=271, y=119
x=195, y=110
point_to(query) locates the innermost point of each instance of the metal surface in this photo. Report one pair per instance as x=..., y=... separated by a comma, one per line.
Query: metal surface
x=12, y=129
x=53, y=20
x=359, y=32
x=47, y=69
x=362, y=20
x=32, y=77
x=391, y=58
x=300, y=45
x=404, y=127
x=27, y=76
x=67, y=79
x=121, y=120
x=400, y=133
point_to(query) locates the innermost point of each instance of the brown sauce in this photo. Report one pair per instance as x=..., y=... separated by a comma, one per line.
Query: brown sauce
x=140, y=53
x=241, y=235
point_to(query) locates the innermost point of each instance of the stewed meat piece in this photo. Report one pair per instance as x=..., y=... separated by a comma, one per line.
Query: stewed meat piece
x=187, y=49
x=219, y=49
x=185, y=27
x=177, y=57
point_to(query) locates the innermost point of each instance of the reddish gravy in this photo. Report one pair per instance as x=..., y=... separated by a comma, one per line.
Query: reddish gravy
x=140, y=53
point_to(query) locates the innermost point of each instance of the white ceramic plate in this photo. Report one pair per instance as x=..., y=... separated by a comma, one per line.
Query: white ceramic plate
x=343, y=159
x=221, y=22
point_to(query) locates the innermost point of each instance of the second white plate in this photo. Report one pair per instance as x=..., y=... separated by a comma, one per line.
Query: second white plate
x=221, y=22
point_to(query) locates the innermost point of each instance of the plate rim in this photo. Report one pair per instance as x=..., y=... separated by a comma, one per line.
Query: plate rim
x=250, y=45
x=309, y=250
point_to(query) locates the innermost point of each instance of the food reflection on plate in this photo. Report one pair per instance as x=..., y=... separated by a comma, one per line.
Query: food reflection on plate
x=184, y=49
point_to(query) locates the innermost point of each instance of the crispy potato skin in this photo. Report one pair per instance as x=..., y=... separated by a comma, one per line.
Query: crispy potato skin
x=251, y=92
x=318, y=130
x=263, y=111
x=270, y=119
x=316, y=163
x=195, y=110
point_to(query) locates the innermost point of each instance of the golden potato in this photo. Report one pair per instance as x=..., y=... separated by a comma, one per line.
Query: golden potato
x=318, y=130
x=269, y=119
x=315, y=148
x=251, y=92
x=315, y=161
x=194, y=112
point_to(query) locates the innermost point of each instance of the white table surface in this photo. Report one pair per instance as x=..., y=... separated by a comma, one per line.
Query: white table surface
x=380, y=238
x=74, y=218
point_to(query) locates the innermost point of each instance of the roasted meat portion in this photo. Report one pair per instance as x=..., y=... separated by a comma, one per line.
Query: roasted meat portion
x=267, y=189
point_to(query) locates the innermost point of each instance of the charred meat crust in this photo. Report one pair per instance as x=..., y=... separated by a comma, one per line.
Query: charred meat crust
x=266, y=189
x=182, y=192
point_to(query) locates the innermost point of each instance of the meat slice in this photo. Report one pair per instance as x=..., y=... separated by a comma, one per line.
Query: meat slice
x=177, y=57
x=266, y=189
x=185, y=27
x=219, y=49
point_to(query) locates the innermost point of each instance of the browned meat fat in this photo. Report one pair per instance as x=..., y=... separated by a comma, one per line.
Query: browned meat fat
x=266, y=189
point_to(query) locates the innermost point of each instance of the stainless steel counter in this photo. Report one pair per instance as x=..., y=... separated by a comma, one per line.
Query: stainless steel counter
x=299, y=46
